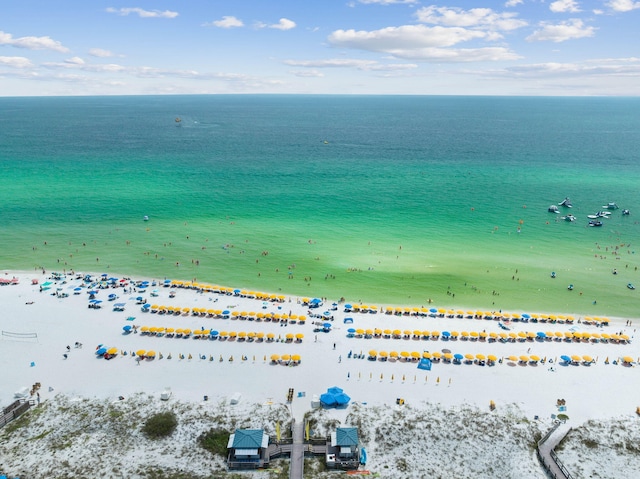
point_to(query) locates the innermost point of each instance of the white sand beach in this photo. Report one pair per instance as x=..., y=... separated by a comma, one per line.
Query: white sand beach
x=51, y=337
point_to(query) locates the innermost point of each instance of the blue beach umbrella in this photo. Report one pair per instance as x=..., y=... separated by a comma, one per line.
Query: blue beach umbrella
x=101, y=351
x=351, y=330
x=541, y=335
x=226, y=312
x=348, y=306
x=526, y=316
x=433, y=310
x=326, y=325
x=458, y=356
x=213, y=333
x=446, y=334
x=126, y=328
x=566, y=359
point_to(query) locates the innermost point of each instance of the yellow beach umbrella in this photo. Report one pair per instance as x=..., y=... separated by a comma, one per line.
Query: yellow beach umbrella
x=587, y=358
x=295, y=357
x=404, y=354
x=426, y=355
x=480, y=357
x=373, y=353
x=575, y=357
x=436, y=354
x=415, y=354
x=151, y=354
x=383, y=354
x=393, y=354
x=299, y=336
x=492, y=357
x=513, y=358
x=141, y=352
x=275, y=357
x=469, y=356
x=524, y=358
x=448, y=356
x=535, y=358
x=627, y=359
x=112, y=351
x=286, y=357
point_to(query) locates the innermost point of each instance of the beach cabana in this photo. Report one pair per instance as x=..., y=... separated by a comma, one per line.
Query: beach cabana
x=343, y=450
x=247, y=449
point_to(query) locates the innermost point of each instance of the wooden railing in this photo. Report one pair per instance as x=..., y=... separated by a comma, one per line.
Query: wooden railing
x=14, y=410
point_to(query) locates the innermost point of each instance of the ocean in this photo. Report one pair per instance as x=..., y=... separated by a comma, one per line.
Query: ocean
x=388, y=200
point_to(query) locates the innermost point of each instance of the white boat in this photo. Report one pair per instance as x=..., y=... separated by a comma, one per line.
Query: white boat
x=599, y=214
x=569, y=218
x=145, y=218
x=553, y=209
x=566, y=202
x=611, y=206
x=626, y=212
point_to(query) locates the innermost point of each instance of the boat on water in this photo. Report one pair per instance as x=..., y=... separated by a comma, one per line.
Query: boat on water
x=570, y=218
x=599, y=214
x=566, y=203
x=145, y=218
x=610, y=206
x=553, y=209
x=630, y=286
x=595, y=223
x=626, y=212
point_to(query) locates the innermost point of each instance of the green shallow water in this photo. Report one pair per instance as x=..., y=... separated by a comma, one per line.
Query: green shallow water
x=387, y=200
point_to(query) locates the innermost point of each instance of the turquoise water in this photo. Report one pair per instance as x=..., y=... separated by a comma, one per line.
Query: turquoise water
x=384, y=199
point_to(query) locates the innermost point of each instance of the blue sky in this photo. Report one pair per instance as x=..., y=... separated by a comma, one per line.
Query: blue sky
x=464, y=47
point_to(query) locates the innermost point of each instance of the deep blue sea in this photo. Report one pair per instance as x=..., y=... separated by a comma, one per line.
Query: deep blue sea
x=384, y=199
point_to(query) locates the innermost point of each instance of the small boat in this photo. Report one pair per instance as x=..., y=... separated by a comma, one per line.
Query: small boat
x=566, y=203
x=570, y=287
x=630, y=286
x=178, y=119
x=610, y=206
x=626, y=212
x=145, y=218
x=595, y=223
x=553, y=209
x=599, y=214
x=553, y=274
x=569, y=218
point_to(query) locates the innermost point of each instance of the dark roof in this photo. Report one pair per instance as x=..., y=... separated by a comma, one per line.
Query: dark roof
x=346, y=436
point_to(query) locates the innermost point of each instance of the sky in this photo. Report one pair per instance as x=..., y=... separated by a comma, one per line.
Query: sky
x=463, y=47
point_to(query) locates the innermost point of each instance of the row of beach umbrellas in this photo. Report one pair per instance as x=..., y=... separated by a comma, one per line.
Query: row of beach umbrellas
x=225, y=290
x=567, y=336
x=221, y=313
x=212, y=333
x=480, y=358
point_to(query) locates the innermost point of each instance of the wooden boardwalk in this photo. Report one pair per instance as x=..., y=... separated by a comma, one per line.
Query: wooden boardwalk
x=547, y=455
x=296, y=466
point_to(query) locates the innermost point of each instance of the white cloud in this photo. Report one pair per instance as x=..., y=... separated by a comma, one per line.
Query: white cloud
x=561, y=6
x=407, y=37
x=459, y=55
x=75, y=61
x=569, y=30
x=484, y=18
x=513, y=3
x=597, y=67
x=16, y=62
x=367, y=65
x=307, y=73
x=32, y=43
x=227, y=22
x=284, y=24
x=143, y=13
x=623, y=5
x=99, y=52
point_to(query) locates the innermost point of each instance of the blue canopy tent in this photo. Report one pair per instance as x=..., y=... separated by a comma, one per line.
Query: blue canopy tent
x=425, y=364
x=335, y=397
x=328, y=400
